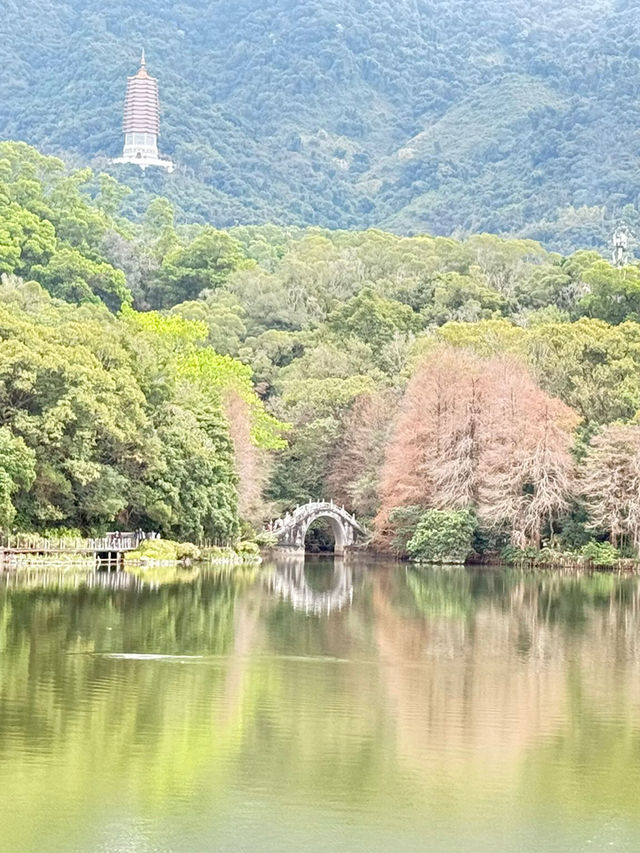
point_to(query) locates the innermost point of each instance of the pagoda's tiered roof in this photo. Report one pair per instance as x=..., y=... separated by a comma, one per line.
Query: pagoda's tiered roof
x=142, y=105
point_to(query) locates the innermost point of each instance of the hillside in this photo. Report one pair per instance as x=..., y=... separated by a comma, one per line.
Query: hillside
x=197, y=381
x=413, y=115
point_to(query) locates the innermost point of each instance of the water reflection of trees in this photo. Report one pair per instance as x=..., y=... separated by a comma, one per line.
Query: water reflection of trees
x=497, y=669
x=477, y=675
x=63, y=697
x=568, y=598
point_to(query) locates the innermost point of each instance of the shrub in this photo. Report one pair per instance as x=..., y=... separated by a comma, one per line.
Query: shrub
x=220, y=554
x=62, y=533
x=443, y=536
x=600, y=553
x=266, y=539
x=403, y=521
x=574, y=533
x=164, y=551
x=512, y=555
x=249, y=549
x=489, y=541
x=187, y=551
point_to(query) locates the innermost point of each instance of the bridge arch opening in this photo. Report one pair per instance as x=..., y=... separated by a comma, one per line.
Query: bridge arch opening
x=325, y=535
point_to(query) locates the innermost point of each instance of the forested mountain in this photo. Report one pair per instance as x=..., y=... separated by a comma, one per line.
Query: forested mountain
x=437, y=116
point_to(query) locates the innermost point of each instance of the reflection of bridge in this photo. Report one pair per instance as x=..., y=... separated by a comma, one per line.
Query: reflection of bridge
x=289, y=582
x=291, y=530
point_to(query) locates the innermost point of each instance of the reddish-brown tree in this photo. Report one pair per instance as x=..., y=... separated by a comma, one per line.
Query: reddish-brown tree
x=527, y=470
x=479, y=433
x=354, y=477
x=250, y=460
x=431, y=459
x=610, y=483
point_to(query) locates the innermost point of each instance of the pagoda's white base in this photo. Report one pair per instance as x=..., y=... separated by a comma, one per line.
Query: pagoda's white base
x=143, y=162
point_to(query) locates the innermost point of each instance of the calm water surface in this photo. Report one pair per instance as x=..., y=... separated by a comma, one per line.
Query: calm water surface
x=320, y=707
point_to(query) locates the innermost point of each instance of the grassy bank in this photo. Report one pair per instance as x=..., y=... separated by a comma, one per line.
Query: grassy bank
x=164, y=552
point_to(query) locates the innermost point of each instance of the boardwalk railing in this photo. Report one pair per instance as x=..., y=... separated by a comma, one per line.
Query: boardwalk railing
x=26, y=543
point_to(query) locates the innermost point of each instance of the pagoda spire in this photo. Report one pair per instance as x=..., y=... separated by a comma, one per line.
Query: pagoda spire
x=143, y=61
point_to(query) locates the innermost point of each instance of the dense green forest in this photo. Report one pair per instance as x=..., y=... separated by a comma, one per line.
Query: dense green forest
x=409, y=115
x=130, y=419
x=198, y=381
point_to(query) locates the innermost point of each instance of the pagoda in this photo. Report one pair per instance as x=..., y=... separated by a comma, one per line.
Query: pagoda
x=142, y=121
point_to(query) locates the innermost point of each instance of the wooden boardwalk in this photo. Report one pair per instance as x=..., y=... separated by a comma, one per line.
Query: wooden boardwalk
x=109, y=548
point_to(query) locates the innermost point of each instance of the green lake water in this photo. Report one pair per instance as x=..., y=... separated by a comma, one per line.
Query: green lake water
x=320, y=707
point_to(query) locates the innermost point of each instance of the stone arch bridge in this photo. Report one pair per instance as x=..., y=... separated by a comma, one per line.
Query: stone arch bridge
x=291, y=530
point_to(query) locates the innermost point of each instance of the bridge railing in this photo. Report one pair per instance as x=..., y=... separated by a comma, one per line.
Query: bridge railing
x=290, y=519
